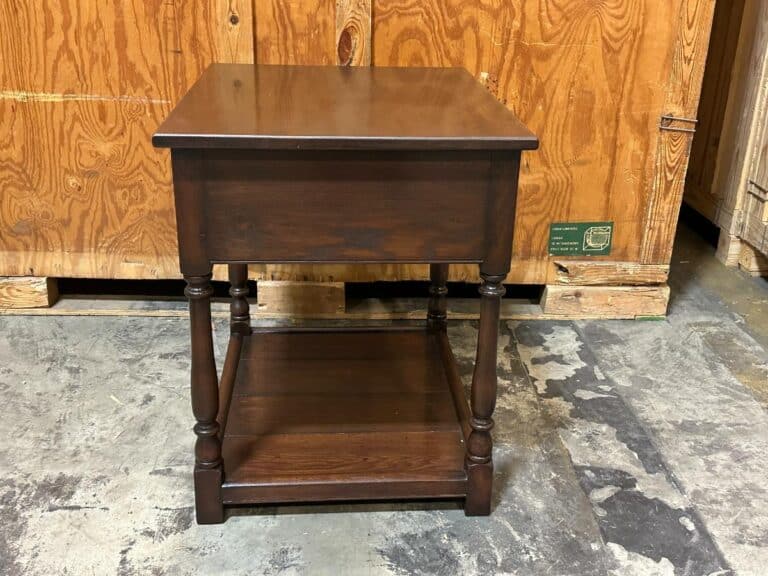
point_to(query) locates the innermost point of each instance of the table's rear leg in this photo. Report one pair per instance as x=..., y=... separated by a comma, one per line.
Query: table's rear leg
x=205, y=403
x=239, y=312
x=437, y=318
x=479, y=460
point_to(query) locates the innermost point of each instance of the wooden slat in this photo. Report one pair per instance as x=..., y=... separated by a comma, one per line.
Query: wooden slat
x=608, y=301
x=456, y=385
x=712, y=107
x=606, y=273
x=27, y=292
x=692, y=22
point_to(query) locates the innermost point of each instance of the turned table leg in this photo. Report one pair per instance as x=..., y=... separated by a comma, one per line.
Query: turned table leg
x=239, y=316
x=205, y=403
x=437, y=317
x=479, y=460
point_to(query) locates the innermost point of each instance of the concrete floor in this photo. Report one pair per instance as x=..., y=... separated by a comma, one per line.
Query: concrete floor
x=622, y=448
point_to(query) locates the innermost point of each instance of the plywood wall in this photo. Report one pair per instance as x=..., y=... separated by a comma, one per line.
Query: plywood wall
x=592, y=79
x=83, y=85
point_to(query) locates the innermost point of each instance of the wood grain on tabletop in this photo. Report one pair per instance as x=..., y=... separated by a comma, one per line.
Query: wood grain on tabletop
x=338, y=108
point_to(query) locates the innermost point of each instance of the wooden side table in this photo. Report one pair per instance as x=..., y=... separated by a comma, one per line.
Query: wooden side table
x=341, y=165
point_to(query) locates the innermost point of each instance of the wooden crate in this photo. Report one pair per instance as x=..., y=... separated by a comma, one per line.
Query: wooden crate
x=610, y=88
x=728, y=179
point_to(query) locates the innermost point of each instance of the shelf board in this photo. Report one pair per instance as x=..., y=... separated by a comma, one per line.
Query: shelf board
x=343, y=415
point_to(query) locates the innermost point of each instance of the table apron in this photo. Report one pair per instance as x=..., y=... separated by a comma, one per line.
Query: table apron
x=345, y=208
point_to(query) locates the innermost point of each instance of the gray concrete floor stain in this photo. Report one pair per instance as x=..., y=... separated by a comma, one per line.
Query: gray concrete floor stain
x=622, y=448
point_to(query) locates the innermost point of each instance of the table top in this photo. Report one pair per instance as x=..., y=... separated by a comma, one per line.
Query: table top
x=333, y=108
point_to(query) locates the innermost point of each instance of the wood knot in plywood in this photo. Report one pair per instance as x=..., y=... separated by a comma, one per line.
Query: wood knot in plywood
x=353, y=32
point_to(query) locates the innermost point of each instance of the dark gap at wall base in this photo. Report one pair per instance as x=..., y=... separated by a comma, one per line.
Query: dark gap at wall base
x=707, y=230
x=174, y=289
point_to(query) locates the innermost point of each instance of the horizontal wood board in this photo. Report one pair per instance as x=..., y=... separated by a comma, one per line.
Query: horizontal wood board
x=351, y=407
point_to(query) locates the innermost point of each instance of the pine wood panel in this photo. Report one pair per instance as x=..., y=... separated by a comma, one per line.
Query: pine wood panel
x=295, y=32
x=591, y=273
x=692, y=23
x=27, y=292
x=592, y=81
x=82, y=87
x=621, y=301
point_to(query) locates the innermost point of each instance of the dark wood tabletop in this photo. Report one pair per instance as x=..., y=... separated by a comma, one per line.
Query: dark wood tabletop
x=332, y=108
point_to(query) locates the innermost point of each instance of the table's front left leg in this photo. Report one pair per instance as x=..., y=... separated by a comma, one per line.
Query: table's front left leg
x=205, y=403
x=479, y=458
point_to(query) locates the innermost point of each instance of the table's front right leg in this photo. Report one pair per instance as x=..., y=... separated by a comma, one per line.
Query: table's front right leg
x=205, y=403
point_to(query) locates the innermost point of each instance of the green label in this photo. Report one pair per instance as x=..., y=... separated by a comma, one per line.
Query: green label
x=580, y=238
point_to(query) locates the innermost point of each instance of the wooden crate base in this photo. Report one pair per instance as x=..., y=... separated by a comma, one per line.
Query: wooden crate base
x=326, y=301
x=19, y=292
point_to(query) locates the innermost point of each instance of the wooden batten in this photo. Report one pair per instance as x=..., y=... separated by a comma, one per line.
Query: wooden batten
x=605, y=273
x=27, y=292
x=605, y=301
x=677, y=125
x=324, y=301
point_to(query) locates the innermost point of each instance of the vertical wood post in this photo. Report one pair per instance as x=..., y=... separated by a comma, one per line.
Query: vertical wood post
x=437, y=316
x=205, y=403
x=479, y=461
x=239, y=311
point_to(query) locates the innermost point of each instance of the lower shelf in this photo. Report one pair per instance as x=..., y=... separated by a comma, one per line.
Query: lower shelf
x=344, y=415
